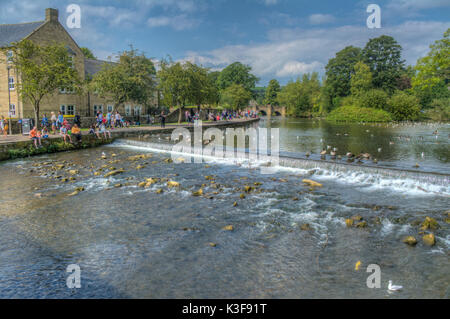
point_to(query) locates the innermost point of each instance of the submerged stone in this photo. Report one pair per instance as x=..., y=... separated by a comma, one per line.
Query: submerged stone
x=410, y=240
x=305, y=227
x=312, y=183
x=198, y=193
x=429, y=239
x=349, y=222
x=429, y=223
x=114, y=173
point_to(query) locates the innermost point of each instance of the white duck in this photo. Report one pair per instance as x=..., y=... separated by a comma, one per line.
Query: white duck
x=392, y=287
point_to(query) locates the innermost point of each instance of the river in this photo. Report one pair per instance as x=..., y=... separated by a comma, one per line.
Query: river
x=288, y=240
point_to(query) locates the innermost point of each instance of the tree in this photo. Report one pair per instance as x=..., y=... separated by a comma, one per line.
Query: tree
x=87, y=53
x=237, y=73
x=404, y=106
x=43, y=70
x=213, y=92
x=131, y=79
x=174, y=84
x=361, y=80
x=302, y=96
x=383, y=55
x=339, y=71
x=272, y=92
x=236, y=96
x=199, y=83
x=433, y=71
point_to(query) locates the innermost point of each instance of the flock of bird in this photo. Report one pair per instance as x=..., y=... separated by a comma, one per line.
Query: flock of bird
x=332, y=151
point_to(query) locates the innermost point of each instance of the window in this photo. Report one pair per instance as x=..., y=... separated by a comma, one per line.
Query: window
x=11, y=83
x=9, y=56
x=137, y=110
x=12, y=110
x=127, y=110
x=98, y=108
x=110, y=108
x=70, y=109
x=71, y=61
x=62, y=108
x=66, y=90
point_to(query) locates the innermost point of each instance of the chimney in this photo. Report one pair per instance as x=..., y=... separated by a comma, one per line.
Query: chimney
x=51, y=14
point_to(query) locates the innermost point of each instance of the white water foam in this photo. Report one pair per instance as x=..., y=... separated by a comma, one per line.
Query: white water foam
x=367, y=178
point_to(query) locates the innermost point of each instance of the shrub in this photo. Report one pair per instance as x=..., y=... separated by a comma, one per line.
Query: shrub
x=404, y=107
x=358, y=114
x=440, y=110
x=377, y=99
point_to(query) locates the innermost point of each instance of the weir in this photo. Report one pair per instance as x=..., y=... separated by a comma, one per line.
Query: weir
x=427, y=182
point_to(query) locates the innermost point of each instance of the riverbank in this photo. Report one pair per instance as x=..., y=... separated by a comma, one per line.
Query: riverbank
x=19, y=146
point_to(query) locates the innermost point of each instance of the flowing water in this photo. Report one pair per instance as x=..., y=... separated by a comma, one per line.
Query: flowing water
x=131, y=241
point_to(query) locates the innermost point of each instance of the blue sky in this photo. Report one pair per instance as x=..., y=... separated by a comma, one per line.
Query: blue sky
x=279, y=38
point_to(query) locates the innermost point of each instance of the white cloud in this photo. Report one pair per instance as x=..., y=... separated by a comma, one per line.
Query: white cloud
x=180, y=22
x=295, y=68
x=321, y=18
x=290, y=52
x=417, y=4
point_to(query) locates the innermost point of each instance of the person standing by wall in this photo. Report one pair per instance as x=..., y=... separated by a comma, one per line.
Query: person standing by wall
x=53, y=120
x=162, y=117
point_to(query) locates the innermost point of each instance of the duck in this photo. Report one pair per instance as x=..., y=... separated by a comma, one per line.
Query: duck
x=392, y=287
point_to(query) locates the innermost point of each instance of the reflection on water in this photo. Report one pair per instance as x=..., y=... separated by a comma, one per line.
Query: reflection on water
x=131, y=241
x=393, y=145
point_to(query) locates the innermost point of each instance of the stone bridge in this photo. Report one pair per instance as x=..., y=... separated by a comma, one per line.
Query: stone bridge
x=268, y=110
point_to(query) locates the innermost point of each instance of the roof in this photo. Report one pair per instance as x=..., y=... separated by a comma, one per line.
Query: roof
x=10, y=33
x=92, y=66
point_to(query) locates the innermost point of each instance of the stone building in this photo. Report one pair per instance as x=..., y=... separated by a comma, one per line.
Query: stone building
x=45, y=32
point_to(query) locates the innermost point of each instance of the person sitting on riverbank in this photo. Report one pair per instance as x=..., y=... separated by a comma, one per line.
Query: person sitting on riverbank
x=76, y=132
x=93, y=130
x=44, y=132
x=36, y=137
x=63, y=132
x=104, y=131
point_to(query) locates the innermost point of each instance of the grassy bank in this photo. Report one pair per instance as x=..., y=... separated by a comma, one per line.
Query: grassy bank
x=27, y=149
x=358, y=114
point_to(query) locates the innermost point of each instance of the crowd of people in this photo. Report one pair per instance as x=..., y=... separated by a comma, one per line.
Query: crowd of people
x=71, y=133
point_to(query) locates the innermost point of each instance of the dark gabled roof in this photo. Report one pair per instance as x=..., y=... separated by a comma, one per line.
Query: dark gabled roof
x=10, y=33
x=92, y=66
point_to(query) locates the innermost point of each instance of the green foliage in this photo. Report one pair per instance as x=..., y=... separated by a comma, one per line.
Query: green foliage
x=131, y=79
x=404, y=107
x=87, y=53
x=236, y=96
x=433, y=72
x=237, y=73
x=361, y=80
x=302, y=96
x=384, y=57
x=259, y=94
x=272, y=92
x=375, y=98
x=43, y=70
x=358, y=114
x=339, y=71
x=440, y=110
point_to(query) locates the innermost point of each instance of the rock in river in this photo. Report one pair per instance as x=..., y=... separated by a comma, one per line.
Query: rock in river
x=410, y=240
x=429, y=239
